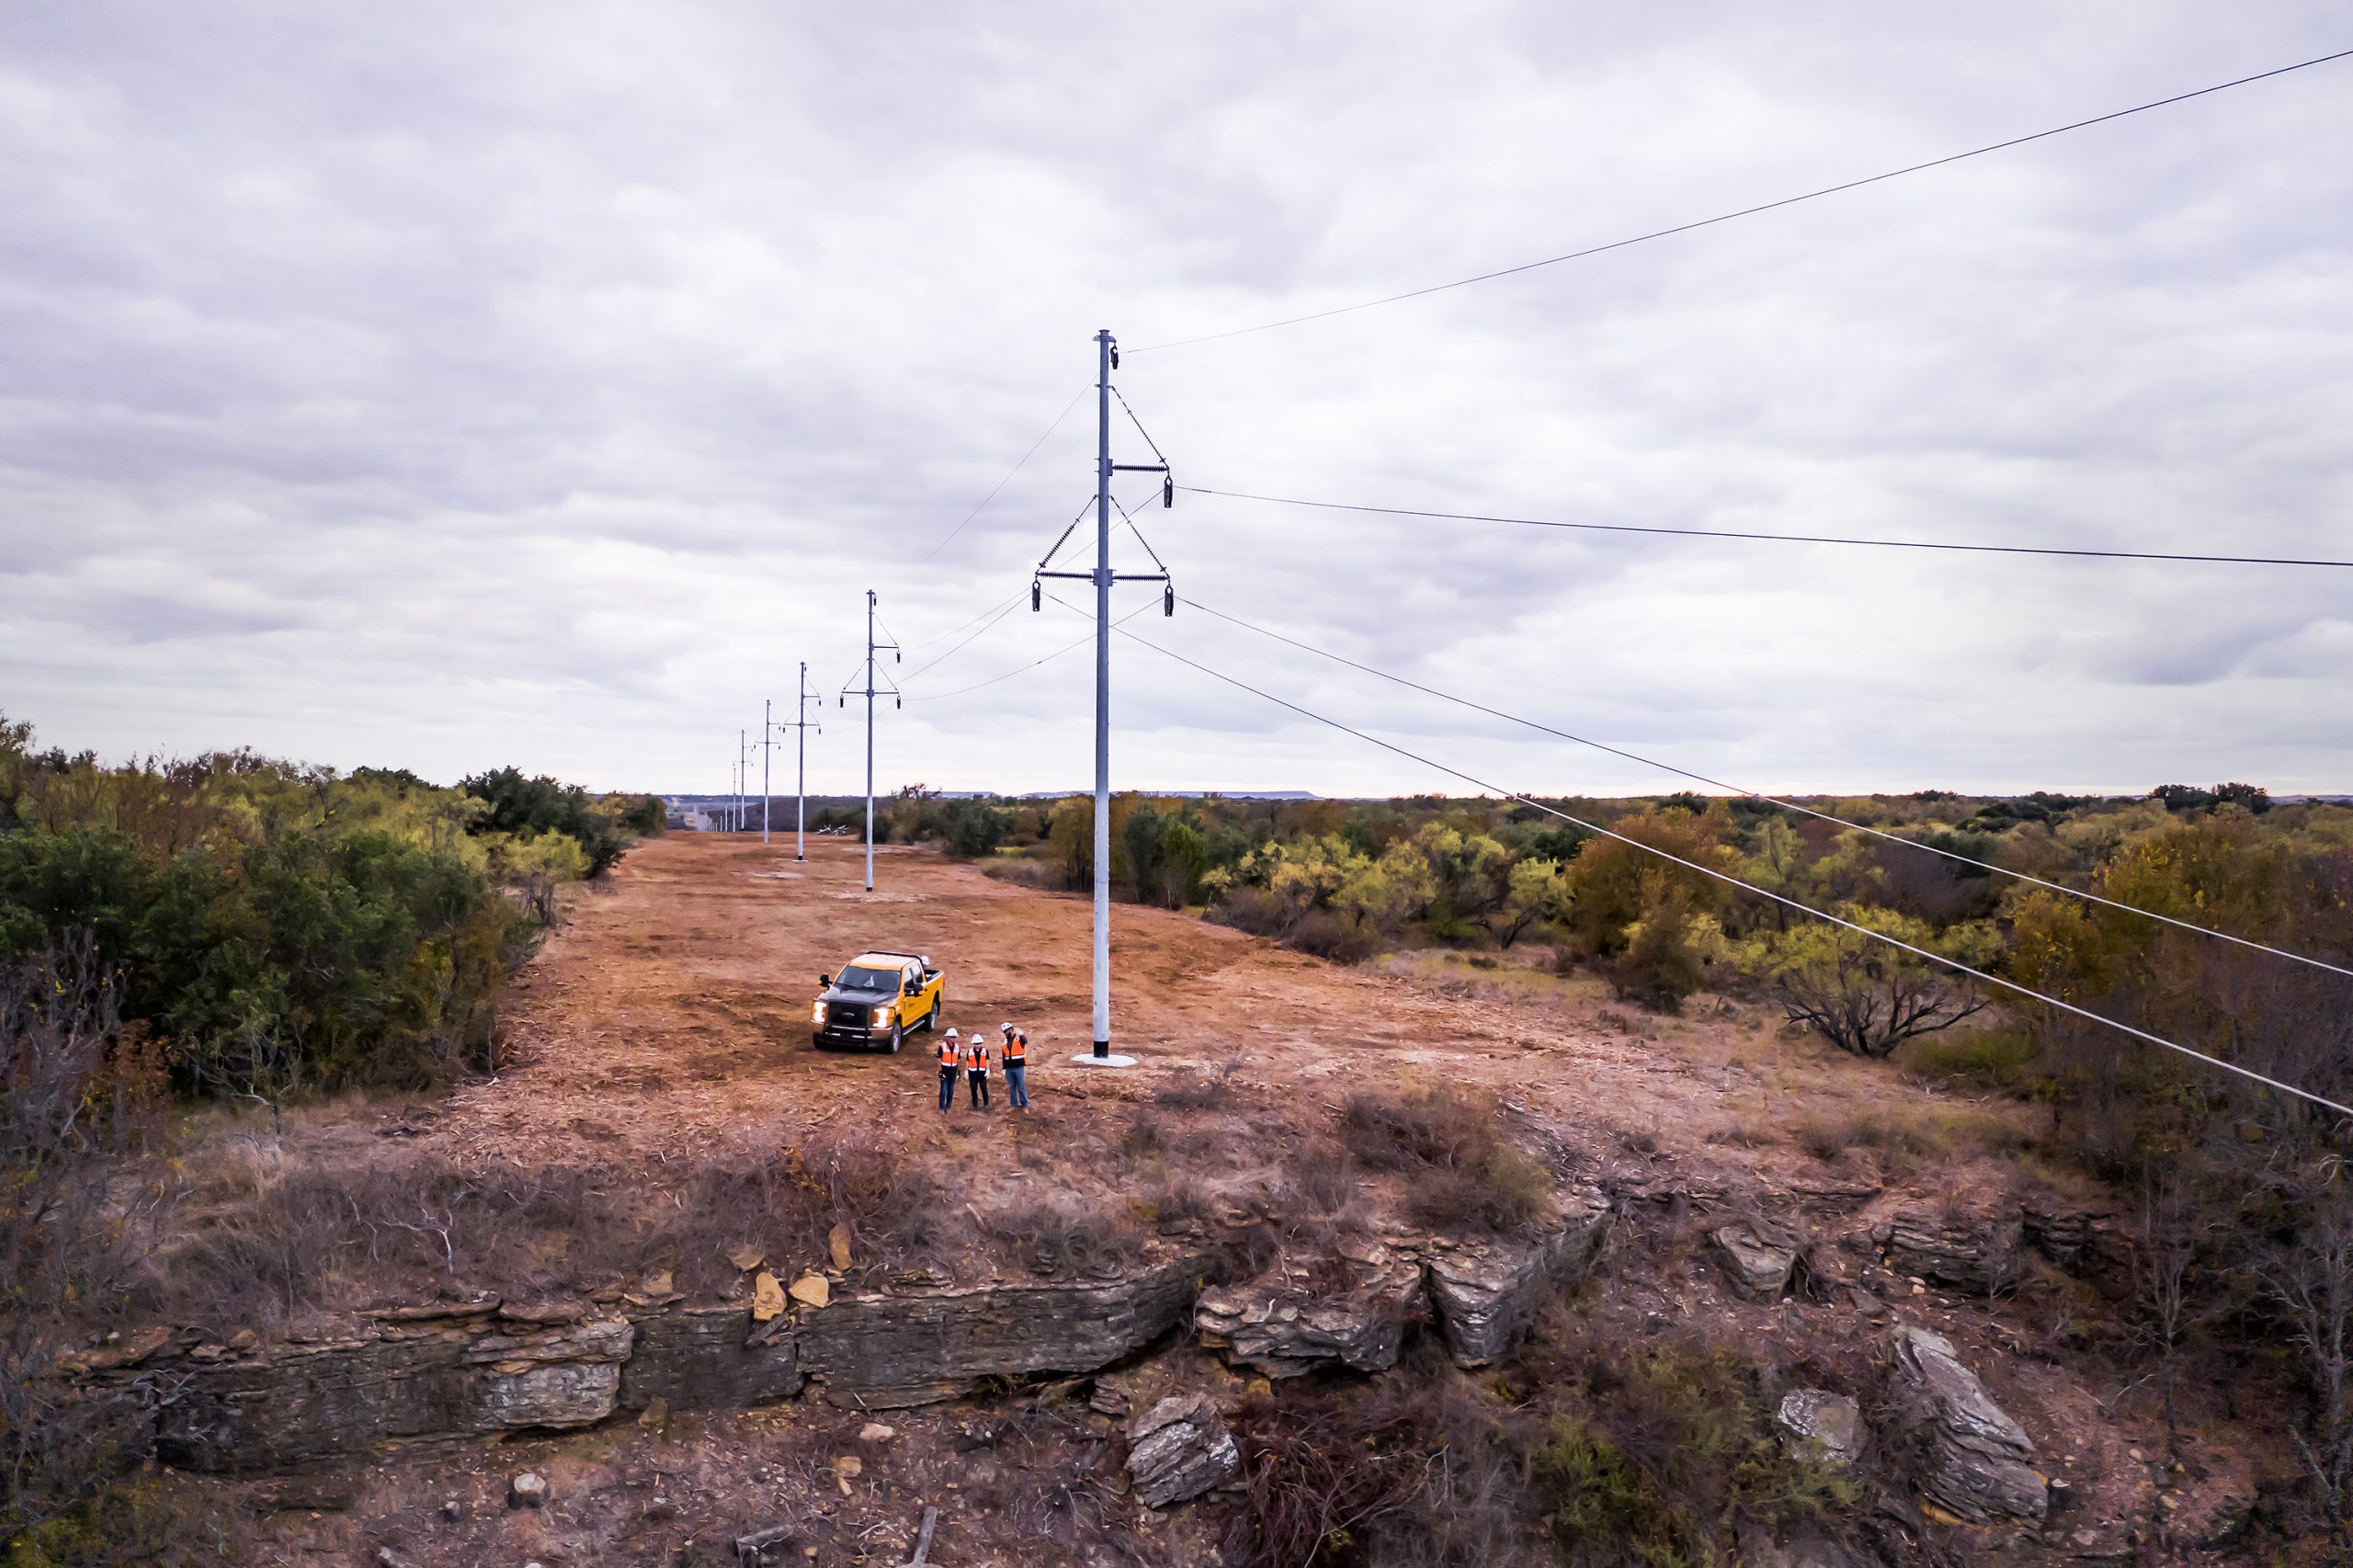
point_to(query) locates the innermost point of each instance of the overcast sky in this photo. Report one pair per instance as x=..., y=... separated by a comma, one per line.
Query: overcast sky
x=452, y=386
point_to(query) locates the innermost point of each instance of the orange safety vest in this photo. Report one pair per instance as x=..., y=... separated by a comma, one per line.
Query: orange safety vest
x=1016, y=1049
x=947, y=1053
x=976, y=1055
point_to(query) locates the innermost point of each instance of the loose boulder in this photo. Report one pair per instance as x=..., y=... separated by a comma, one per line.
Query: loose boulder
x=1974, y=1456
x=1756, y=1258
x=1178, y=1449
x=1818, y=1424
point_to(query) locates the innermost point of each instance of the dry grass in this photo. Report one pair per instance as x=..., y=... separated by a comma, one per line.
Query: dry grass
x=1319, y=1195
x=1023, y=872
x=1195, y=1094
x=271, y=1239
x=1183, y=1200
x=1905, y=1140
x=1067, y=1237
x=1745, y=1132
x=1460, y=1174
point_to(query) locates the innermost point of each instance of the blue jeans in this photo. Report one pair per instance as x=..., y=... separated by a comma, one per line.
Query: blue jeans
x=947, y=1087
x=1017, y=1091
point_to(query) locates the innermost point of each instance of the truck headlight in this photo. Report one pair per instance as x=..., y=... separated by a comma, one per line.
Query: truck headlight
x=817, y=1014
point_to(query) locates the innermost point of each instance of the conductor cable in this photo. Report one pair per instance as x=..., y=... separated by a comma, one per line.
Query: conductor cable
x=1775, y=800
x=1775, y=538
x=1880, y=936
x=1751, y=211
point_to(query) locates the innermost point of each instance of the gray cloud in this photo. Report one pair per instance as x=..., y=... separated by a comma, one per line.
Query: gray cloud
x=452, y=387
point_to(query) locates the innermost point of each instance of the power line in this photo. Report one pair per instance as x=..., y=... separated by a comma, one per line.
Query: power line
x=992, y=618
x=1072, y=648
x=998, y=612
x=1775, y=800
x=1750, y=211
x=1007, y=479
x=1139, y=429
x=944, y=636
x=1882, y=937
x=1775, y=539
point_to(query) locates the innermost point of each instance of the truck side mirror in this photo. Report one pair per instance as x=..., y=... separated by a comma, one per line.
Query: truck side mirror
x=825, y=980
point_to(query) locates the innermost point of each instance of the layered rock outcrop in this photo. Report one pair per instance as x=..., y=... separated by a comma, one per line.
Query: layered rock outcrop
x=1484, y=1293
x=1973, y=1247
x=469, y=1370
x=1285, y=1329
x=447, y=1376
x=900, y=1349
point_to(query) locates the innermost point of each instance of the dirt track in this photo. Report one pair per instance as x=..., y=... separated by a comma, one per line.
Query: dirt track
x=676, y=1006
x=674, y=1009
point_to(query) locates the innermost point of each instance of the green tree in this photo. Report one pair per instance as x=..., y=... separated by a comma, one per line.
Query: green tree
x=1660, y=963
x=971, y=828
x=1538, y=894
x=519, y=804
x=1607, y=889
x=1863, y=996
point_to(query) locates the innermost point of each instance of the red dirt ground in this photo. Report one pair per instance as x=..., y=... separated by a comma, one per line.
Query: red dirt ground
x=671, y=1014
x=675, y=1007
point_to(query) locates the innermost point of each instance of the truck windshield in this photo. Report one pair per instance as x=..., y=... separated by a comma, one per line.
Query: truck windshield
x=856, y=979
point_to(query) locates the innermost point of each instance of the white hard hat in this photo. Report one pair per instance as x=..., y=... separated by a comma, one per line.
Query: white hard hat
x=1005, y=1025
x=951, y=1034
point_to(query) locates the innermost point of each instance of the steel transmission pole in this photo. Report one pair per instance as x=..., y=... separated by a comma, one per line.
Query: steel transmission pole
x=1103, y=694
x=801, y=767
x=1107, y=359
x=871, y=648
x=869, y=740
x=768, y=731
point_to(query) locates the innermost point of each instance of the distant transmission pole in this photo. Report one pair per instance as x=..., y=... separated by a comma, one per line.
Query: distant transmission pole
x=741, y=781
x=871, y=646
x=1107, y=359
x=801, y=782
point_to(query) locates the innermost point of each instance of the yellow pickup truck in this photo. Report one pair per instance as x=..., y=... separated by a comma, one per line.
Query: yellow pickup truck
x=877, y=1000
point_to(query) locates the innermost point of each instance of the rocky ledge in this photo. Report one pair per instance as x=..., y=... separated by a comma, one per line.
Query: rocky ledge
x=1482, y=1294
x=474, y=1368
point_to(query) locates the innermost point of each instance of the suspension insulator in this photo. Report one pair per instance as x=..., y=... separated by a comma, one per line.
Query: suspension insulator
x=1168, y=600
x=1037, y=591
x=1167, y=492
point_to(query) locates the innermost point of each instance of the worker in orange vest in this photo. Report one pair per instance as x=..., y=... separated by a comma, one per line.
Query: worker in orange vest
x=951, y=1056
x=1017, y=1066
x=976, y=1069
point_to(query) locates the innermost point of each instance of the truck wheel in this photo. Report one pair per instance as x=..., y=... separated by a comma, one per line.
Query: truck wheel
x=898, y=1036
x=931, y=1019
